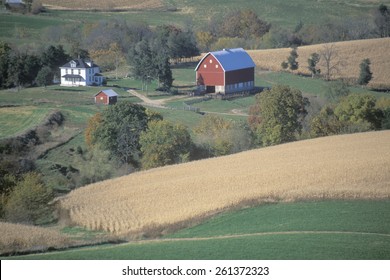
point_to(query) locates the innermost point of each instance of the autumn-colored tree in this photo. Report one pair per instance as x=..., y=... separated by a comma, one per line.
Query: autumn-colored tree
x=93, y=124
x=204, y=39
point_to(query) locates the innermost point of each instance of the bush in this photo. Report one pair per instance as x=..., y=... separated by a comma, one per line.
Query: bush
x=28, y=203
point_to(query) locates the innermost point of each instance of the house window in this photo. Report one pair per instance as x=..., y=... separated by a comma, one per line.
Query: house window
x=216, y=65
x=71, y=71
x=79, y=71
x=66, y=71
x=205, y=66
x=211, y=61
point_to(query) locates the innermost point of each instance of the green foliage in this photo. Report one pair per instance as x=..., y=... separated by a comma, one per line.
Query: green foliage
x=325, y=123
x=94, y=166
x=22, y=70
x=382, y=21
x=243, y=24
x=353, y=113
x=336, y=91
x=29, y=201
x=312, y=64
x=5, y=56
x=292, y=60
x=219, y=136
x=119, y=130
x=164, y=143
x=281, y=110
x=44, y=77
x=358, y=109
x=365, y=75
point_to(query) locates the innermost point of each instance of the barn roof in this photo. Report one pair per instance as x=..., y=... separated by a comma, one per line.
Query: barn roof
x=108, y=92
x=231, y=59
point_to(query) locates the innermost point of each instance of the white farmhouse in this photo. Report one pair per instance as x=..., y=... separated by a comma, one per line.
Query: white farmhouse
x=80, y=72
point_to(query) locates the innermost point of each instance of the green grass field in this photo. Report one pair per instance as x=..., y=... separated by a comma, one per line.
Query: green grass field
x=302, y=230
x=16, y=120
x=18, y=28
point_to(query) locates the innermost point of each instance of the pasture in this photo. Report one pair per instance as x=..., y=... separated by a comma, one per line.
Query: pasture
x=302, y=230
x=16, y=120
x=278, y=12
x=324, y=168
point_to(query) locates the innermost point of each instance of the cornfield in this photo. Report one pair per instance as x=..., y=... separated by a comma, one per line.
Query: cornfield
x=17, y=238
x=351, y=53
x=338, y=167
x=103, y=4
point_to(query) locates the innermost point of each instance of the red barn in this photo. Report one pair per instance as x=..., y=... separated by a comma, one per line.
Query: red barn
x=226, y=71
x=106, y=97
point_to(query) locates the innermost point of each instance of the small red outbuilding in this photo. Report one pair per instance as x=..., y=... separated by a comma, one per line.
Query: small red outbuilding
x=226, y=71
x=106, y=97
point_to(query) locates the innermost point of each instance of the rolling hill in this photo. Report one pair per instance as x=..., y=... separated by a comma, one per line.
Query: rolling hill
x=164, y=199
x=350, y=52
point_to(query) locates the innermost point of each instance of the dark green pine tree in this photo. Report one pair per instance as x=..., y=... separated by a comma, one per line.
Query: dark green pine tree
x=292, y=60
x=365, y=72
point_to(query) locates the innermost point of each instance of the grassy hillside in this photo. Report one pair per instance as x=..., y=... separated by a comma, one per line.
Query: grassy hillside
x=341, y=167
x=351, y=52
x=303, y=230
x=103, y=5
x=278, y=12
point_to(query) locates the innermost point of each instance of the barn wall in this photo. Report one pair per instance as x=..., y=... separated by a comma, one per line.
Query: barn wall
x=239, y=76
x=101, y=98
x=210, y=72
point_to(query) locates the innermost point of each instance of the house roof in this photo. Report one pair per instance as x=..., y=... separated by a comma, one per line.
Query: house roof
x=14, y=2
x=108, y=92
x=231, y=59
x=80, y=63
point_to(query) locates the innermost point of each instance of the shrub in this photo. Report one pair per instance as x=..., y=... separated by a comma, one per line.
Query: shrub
x=28, y=202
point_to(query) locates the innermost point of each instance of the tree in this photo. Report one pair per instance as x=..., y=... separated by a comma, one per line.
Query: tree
x=93, y=123
x=23, y=69
x=29, y=201
x=331, y=60
x=382, y=21
x=243, y=24
x=5, y=56
x=54, y=57
x=141, y=61
x=337, y=90
x=119, y=130
x=365, y=75
x=359, y=109
x=219, y=136
x=164, y=143
x=292, y=62
x=204, y=39
x=325, y=123
x=292, y=59
x=44, y=76
x=281, y=110
x=312, y=64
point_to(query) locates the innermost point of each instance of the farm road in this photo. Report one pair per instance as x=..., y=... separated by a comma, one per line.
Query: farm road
x=161, y=103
